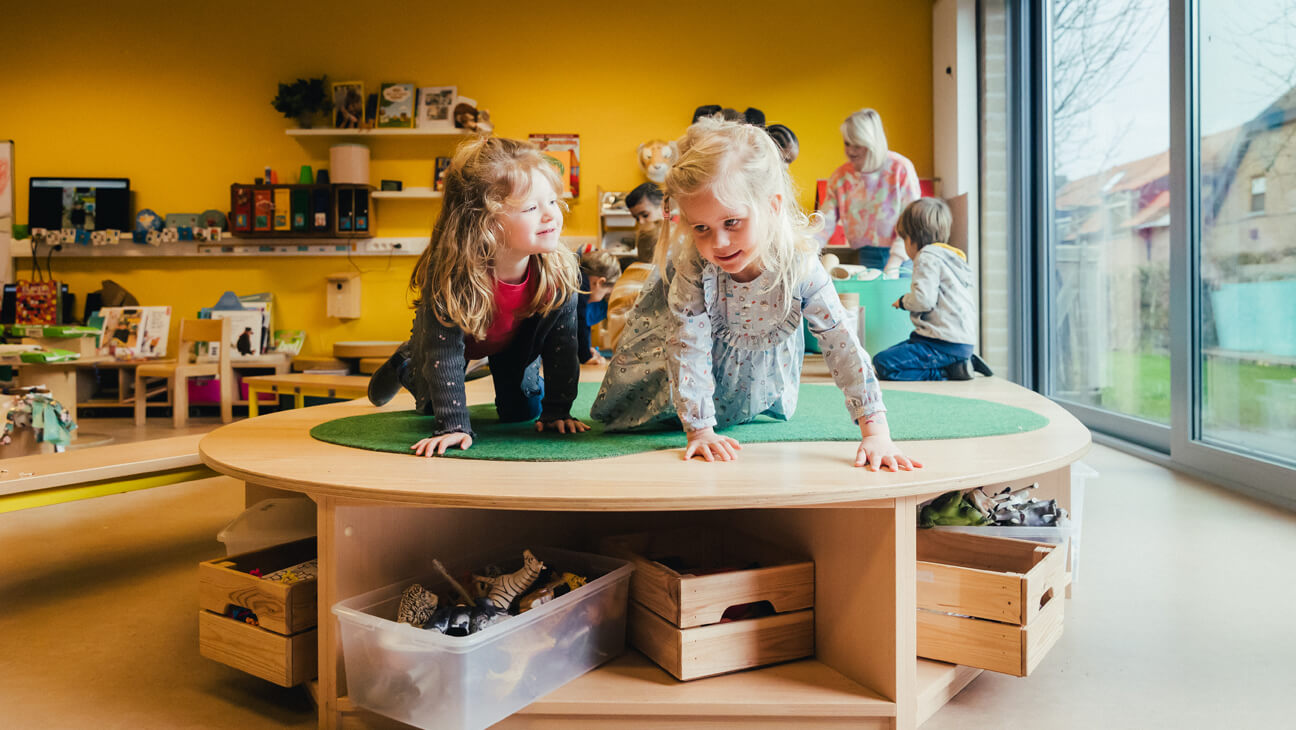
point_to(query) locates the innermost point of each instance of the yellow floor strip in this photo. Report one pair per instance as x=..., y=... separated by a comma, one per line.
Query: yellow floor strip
x=74, y=492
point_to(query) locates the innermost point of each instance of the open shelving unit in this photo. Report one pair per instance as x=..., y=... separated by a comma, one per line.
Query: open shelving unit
x=362, y=133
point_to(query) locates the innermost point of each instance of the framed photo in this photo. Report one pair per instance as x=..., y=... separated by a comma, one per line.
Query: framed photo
x=396, y=106
x=436, y=108
x=348, y=105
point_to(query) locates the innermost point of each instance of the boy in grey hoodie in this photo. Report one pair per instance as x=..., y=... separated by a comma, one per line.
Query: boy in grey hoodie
x=939, y=302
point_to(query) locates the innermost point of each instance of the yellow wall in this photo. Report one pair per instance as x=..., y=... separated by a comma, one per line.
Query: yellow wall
x=176, y=96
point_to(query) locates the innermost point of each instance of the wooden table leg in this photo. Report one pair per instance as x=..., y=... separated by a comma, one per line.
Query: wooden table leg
x=330, y=654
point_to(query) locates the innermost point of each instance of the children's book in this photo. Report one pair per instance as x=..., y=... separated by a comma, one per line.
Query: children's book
x=561, y=160
x=289, y=341
x=436, y=108
x=256, y=316
x=134, y=333
x=38, y=302
x=396, y=106
x=560, y=142
x=442, y=164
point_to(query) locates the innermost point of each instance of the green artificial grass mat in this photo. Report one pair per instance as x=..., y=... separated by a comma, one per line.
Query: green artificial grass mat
x=820, y=416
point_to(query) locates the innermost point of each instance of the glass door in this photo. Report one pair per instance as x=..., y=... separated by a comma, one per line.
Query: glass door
x=1105, y=255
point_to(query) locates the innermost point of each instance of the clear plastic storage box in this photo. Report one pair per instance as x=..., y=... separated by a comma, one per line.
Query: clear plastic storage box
x=430, y=680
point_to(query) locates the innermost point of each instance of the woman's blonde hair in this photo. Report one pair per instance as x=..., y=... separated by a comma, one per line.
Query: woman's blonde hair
x=488, y=178
x=864, y=129
x=741, y=165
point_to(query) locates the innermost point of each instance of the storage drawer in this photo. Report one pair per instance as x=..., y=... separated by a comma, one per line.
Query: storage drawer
x=285, y=660
x=689, y=600
x=1007, y=594
x=704, y=651
x=284, y=608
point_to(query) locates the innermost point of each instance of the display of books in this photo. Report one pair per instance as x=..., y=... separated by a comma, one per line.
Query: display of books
x=290, y=341
x=553, y=143
x=134, y=333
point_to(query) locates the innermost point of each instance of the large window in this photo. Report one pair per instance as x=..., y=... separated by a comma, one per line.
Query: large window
x=1157, y=170
x=1107, y=260
x=1246, y=259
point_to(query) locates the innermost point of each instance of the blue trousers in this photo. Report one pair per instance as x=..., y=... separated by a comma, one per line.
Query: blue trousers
x=913, y=360
x=875, y=257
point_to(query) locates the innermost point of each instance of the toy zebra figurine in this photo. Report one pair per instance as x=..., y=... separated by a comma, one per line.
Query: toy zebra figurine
x=502, y=589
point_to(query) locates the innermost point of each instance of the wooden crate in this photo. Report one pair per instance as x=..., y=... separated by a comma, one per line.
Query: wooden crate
x=1008, y=595
x=285, y=660
x=704, y=651
x=283, y=608
x=785, y=581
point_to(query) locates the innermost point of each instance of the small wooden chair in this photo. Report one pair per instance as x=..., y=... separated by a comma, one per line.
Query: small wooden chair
x=177, y=374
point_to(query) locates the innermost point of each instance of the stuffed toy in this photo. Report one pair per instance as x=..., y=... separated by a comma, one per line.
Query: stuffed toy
x=655, y=158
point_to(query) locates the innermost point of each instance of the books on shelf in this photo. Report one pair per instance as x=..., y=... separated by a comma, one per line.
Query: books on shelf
x=436, y=108
x=557, y=143
x=134, y=333
x=250, y=327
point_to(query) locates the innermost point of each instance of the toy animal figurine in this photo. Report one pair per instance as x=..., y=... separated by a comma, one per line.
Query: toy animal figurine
x=655, y=158
x=502, y=589
x=417, y=605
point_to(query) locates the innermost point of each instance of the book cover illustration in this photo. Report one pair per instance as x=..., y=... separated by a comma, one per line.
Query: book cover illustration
x=348, y=105
x=134, y=333
x=396, y=106
x=558, y=143
x=438, y=182
x=37, y=302
x=290, y=341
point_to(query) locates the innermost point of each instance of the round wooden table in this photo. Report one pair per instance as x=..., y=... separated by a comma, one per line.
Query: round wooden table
x=382, y=515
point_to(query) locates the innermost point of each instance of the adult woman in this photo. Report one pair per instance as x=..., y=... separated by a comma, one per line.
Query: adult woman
x=868, y=192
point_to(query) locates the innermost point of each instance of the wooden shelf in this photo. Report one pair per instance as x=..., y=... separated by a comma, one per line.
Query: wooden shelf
x=231, y=246
x=938, y=682
x=633, y=685
x=407, y=194
x=360, y=133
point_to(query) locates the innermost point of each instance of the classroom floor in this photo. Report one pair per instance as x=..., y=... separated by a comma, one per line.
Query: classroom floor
x=1181, y=618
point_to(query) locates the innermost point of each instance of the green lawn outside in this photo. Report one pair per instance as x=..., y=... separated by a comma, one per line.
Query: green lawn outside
x=1234, y=389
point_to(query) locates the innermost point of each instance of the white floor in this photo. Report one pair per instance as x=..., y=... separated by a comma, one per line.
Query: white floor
x=1184, y=617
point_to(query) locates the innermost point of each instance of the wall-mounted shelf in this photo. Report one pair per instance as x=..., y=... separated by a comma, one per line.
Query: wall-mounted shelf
x=374, y=133
x=235, y=247
x=407, y=194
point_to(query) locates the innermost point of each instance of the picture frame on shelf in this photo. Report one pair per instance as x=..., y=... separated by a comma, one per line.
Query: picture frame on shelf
x=348, y=105
x=557, y=144
x=436, y=108
x=396, y=106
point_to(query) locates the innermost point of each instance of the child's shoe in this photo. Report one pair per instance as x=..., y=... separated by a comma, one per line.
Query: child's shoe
x=955, y=371
x=980, y=366
x=385, y=383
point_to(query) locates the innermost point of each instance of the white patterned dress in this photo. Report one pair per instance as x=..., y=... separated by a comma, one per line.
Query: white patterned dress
x=718, y=352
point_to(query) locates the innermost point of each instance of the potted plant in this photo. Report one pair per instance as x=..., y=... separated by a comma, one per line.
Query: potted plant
x=304, y=100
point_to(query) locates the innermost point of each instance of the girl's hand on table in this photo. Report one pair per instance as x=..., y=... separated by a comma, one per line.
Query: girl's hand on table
x=596, y=358
x=708, y=444
x=437, y=445
x=877, y=450
x=562, y=425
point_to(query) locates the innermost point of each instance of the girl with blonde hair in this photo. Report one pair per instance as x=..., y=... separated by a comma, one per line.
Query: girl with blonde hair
x=495, y=281
x=724, y=344
x=868, y=192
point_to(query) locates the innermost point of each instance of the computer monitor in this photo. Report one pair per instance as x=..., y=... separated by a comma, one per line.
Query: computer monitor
x=87, y=203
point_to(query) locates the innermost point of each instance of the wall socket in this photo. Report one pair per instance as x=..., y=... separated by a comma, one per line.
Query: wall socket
x=380, y=246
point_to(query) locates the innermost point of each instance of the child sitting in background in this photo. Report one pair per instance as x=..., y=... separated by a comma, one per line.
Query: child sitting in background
x=939, y=302
x=645, y=204
x=599, y=271
x=495, y=281
x=724, y=345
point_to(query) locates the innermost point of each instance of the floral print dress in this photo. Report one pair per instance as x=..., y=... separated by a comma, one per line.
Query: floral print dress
x=712, y=351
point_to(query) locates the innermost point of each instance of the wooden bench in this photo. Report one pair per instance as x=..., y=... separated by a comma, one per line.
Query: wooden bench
x=300, y=385
x=45, y=479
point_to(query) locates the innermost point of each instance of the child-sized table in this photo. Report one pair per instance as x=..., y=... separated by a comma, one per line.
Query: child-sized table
x=382, y=515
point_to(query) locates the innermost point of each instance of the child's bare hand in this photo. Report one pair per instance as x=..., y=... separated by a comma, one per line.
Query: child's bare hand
x=596, y=358
x=708, y=444
x=562, y=425
x=898, y=304
x=877, y=452
x=437, y=445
